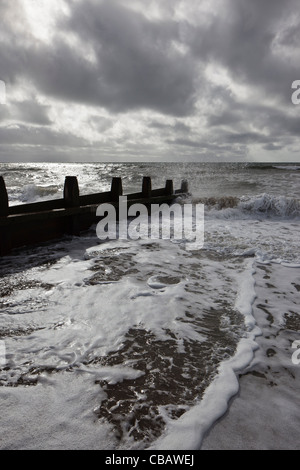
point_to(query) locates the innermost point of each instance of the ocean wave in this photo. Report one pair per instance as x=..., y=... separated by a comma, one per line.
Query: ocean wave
x=280, y=206
x=272, y=166
x=260, y=166
x=287, y=167
x=246, y=206
x=33, y=193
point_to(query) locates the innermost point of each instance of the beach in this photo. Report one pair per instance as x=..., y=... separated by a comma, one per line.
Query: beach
x=264, y=415
x=154, y=344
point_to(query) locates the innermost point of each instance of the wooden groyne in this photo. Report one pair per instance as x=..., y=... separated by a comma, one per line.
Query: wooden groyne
x=28, y=224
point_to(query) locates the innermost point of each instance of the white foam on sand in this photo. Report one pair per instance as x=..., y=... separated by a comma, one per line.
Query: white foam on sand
x=262, y=378
x=187, y=432
x=52, y=415
x=265, y=415
x=74, y=322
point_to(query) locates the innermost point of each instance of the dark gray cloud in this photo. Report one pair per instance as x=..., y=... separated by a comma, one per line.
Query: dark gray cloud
x=147, y=81
x=25, y=112
x=30, y=111
x=38, y=136
x=136, y=64
x=270, y=146
x=187, y=142
x=254, y=40
x=176, y=127
x=273, y=122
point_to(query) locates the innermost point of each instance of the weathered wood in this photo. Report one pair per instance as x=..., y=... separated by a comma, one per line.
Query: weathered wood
x=169, y=187
x=33, y=223
x=37, y=206
x=97, y=198
x=71, y=192
x=158, y=192
x=72, y=199
x=146, y=186
x=116, y=188
x=134, y=196
x=184, y=186
x=184, y=189
x=3, y=198
x=5, y=242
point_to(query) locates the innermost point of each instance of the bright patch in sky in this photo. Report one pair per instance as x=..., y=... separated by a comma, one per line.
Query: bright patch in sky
x=42, y=15
x=219, y=76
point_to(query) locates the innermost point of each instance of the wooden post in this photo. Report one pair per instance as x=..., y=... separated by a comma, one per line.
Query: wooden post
x=42, y=221
x=146, y=186
x=3, y=199
x=116, y=188
x=184, y=186
x=5, y=239
x=169, y=187
x=71, y=192
x=71, y=197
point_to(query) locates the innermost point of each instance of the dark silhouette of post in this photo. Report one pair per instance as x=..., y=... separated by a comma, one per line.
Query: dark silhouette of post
x=184, y=186
x=3, y=198
x=146, y=186
x=31, y=223
x=5, y=240
x=169, y=188
x=71, y=198
x=116, y=188
x=71, y=192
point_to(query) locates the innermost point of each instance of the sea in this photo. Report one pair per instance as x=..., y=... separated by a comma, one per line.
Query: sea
x=139, y=344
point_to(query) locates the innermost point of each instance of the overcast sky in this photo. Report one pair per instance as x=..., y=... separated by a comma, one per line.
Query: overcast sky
x=98, y=80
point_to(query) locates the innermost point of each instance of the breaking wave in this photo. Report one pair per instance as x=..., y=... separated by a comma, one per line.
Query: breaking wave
x=287, y=167
x=33, y=193
x=267, y=166
x=246, y=206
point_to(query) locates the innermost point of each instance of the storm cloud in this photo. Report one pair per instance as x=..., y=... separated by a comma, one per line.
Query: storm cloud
x=171, y=79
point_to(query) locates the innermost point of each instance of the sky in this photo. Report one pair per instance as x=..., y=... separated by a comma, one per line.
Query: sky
x=155, y=80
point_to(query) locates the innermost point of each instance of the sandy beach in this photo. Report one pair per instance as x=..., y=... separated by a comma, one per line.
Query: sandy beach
x=265, y=414
x=149, y=225
x=132, y=345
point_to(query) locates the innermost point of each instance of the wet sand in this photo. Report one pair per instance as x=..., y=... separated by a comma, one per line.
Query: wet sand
x=265, y=414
